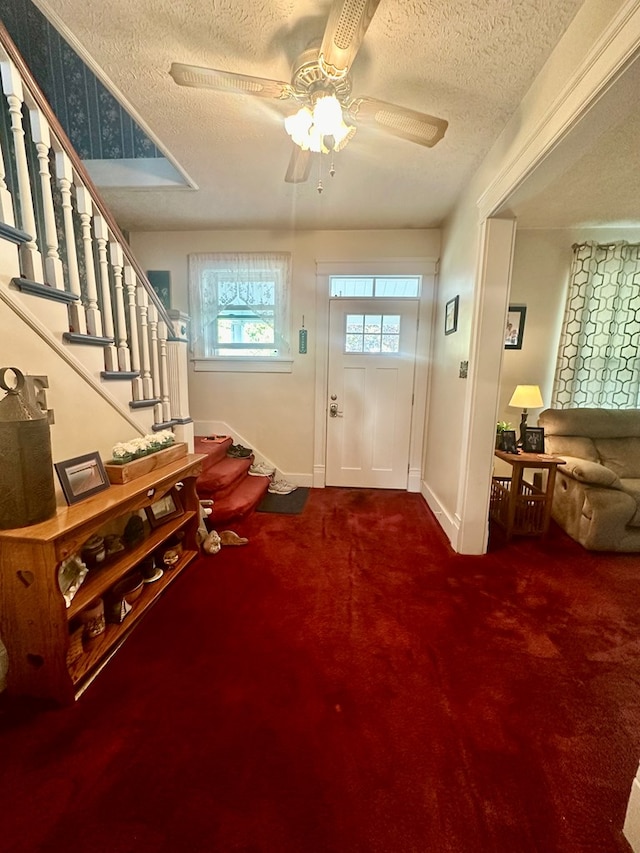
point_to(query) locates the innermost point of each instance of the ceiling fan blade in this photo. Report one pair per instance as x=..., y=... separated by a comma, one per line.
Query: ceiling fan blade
x=299, y=166
x=226, y=81
x=346, y=27
x=400, y=121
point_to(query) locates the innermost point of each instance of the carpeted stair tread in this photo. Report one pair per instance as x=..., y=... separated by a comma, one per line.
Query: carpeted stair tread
x=223, y=477
x=215, y=451
x=239, y=502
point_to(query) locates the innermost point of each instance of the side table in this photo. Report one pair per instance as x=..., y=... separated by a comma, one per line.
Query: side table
x=520, y=507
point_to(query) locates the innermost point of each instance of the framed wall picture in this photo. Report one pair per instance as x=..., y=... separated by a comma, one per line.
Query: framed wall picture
x=160, y=281
x=82, y=477
x=451, y=316
x=533, y=440
x=515, y=326
x=509, y=441
x=164, y=509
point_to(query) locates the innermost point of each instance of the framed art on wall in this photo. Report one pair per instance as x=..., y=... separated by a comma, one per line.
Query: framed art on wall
x=515, y=326
x=160, y=281
x=451, y=316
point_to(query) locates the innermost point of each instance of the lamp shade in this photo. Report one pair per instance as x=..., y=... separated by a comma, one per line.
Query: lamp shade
x=526, y=397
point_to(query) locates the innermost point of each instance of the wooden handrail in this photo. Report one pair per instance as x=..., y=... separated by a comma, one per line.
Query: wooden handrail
x=43, y=105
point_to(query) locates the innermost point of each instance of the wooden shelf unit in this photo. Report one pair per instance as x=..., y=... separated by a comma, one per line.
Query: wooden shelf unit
x=34, y=618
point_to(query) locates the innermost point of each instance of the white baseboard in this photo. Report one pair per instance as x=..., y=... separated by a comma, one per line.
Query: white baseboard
x=414, y=481
x=449, y=523
x=318, y=477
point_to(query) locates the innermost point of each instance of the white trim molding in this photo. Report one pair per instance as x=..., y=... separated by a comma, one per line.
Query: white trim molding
x=230, y=364
x=608, y=58
x=449, y=523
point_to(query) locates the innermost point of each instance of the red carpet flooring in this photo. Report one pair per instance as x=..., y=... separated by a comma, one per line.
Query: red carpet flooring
x=347, y=684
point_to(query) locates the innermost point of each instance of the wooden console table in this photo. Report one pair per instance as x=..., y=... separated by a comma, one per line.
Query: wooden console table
x=518, y=506
x=36, y=625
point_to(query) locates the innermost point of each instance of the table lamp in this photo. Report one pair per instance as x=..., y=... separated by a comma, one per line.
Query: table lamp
x=525, y=397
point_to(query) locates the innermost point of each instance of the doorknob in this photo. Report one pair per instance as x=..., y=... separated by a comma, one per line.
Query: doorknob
x=333, y=411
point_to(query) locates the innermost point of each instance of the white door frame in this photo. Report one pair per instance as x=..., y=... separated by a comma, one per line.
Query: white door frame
x=427, y=268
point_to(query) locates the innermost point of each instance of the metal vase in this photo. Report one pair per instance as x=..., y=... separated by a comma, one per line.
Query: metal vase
x=27, y=492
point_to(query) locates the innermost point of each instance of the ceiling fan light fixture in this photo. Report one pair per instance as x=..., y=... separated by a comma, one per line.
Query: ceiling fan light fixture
x=327, y=115
x=322, y=130
x=298, y=126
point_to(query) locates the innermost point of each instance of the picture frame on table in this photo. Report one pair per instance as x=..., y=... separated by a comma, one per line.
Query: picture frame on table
x=509, y=441
x=82, y=477
x=533, y=440
x=451, y=316
x=164, y=509
x=514, y=330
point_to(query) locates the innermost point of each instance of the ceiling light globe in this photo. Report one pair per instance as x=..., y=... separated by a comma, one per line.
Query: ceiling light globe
x=298, y=125
x=327, y=115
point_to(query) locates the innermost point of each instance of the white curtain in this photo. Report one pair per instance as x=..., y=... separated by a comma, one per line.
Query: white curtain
x=220, y=279
x=599, y=355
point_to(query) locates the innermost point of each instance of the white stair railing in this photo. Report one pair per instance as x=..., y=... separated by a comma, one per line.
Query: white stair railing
x=75, y=247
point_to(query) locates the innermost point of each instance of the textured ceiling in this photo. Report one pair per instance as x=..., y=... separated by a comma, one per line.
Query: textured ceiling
x=592, y=179
x=468, y=61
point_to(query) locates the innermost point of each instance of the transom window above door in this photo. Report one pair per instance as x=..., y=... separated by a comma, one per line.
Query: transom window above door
x=372, y=333
x=362, y=286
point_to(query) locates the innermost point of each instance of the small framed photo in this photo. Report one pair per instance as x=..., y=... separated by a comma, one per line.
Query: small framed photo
x=82, y=477
x=451, y=316
x=533, y=440
x=509, y=441
x=164, y=509
x=515, y=326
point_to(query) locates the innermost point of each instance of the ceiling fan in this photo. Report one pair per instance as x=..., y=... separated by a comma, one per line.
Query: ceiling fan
x=320, y=88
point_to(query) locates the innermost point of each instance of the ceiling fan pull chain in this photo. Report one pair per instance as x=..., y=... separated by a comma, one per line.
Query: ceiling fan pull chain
x=332, y=168
x=319, y=187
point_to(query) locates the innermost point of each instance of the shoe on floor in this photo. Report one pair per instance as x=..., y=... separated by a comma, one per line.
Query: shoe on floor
x=237, y=451
x=261, y=469
x=281, y=487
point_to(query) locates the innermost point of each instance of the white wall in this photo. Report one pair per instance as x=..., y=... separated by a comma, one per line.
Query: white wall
x=274, y=413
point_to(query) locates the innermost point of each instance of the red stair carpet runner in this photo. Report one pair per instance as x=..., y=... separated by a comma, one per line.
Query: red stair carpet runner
x=345, y=683
x=225, y=481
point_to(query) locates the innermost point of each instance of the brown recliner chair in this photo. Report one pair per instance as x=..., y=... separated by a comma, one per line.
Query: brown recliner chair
x=597, y=493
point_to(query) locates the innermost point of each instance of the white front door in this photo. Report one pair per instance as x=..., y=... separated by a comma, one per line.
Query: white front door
x=372, y=346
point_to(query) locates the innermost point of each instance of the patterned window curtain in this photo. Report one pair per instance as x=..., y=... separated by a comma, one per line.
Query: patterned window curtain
x=257, y=282
x=599, y=355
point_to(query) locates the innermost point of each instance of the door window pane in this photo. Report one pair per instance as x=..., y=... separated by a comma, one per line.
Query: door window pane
x=372, y=333
x=358, y=287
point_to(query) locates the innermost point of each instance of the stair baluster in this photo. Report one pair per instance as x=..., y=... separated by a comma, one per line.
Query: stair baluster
x=92, y=309
x=117, y=264
x=42, y=140
x=64, y=172
x=29, y=253
x=101, y=232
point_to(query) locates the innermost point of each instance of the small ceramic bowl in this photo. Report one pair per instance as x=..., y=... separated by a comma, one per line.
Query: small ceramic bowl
x=129, y=587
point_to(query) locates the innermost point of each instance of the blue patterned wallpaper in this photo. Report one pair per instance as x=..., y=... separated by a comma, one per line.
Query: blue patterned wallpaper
x=96, y=124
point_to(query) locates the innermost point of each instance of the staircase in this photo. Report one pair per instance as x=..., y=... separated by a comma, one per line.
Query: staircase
x=226, y=481
x=68, y=275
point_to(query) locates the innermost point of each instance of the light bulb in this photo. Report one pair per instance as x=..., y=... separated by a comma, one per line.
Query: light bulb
x=327, y=115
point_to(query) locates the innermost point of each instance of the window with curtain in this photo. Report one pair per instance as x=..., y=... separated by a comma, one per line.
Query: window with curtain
x=599, y=355
x=239, y=305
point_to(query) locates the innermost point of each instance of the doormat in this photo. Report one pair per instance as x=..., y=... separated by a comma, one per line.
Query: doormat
x=290, y=504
